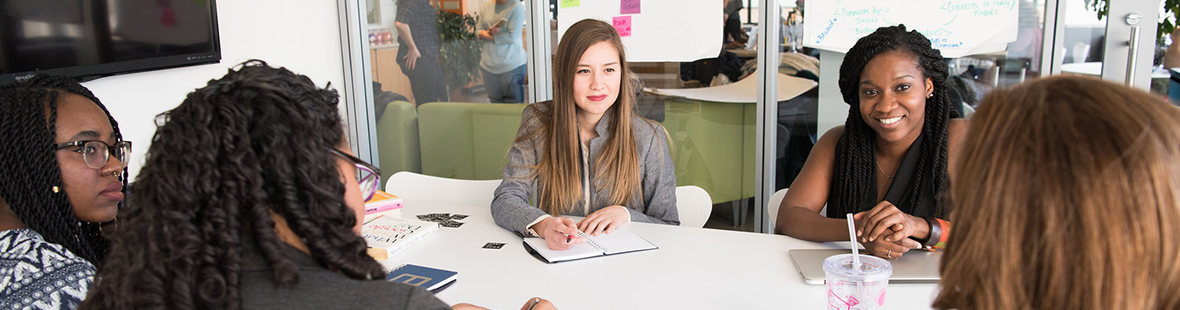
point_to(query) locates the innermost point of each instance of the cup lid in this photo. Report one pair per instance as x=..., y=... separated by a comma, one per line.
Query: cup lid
x=871, y=268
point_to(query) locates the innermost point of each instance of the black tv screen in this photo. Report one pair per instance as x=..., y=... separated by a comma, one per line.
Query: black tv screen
x=88, y=39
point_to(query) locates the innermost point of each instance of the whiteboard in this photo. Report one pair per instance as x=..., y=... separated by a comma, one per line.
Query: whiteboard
x=663, y=30
x=956, y=27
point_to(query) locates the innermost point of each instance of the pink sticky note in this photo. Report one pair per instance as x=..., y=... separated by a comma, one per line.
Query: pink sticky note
x=623, y=25
x=630, y=7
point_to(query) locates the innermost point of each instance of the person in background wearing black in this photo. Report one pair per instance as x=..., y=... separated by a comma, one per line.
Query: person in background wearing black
x=417, y=52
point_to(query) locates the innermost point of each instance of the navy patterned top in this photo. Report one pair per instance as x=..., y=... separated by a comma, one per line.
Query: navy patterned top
x=35, y=274
x=423, y=22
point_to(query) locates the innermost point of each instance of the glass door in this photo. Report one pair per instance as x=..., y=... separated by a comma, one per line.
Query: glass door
x=1116, y=40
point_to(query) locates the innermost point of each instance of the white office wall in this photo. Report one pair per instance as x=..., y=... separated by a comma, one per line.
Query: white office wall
x=302, y=35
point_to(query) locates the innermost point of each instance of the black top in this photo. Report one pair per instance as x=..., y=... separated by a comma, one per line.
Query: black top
x=903, y=183
x=320, y=288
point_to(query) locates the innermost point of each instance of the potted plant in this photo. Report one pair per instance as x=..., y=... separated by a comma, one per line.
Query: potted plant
x=458, y=49
x=1166, y=26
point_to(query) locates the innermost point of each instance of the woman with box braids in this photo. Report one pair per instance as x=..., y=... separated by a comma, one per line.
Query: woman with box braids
x=248, y=198
x=888, y=163
x=62, y=163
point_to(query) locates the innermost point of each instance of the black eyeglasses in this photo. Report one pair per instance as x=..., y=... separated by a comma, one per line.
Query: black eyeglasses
x=368, y=177
x=96, y=153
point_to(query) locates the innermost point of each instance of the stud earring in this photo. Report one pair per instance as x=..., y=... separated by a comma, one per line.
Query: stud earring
x=56, y=190
x=929, y=95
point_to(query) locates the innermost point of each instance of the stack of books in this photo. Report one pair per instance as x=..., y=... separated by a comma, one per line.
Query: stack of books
x=388, y=235
x=382, y=202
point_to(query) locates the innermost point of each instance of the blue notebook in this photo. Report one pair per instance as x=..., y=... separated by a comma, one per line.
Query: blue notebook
x=431, y=279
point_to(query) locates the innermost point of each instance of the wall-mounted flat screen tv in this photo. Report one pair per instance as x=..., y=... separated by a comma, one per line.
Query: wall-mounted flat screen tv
x=88, y=39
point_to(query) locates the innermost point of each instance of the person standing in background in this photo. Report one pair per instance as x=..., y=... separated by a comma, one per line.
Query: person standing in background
x=417, y=52
x=734, y=36
x=503, y=59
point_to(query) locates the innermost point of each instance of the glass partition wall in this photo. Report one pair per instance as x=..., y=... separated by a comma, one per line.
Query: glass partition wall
x=740, y=152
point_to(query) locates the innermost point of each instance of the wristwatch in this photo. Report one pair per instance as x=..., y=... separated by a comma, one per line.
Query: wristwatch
x=534, y=233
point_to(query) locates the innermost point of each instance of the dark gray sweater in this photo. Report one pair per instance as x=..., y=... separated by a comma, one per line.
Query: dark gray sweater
x=320, y=288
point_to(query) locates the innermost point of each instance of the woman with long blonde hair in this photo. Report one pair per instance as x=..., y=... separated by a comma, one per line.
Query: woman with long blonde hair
x=586, y=152
x=1066, y=197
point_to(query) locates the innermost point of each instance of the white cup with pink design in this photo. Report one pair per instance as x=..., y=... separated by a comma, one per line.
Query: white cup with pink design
x=856, y=287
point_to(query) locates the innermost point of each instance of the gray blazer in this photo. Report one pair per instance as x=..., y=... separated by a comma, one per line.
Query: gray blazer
x=511, y=208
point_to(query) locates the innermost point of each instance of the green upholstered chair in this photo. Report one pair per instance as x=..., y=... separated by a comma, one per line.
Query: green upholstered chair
x=467, y=141
x=713, y=146
x=397, y=139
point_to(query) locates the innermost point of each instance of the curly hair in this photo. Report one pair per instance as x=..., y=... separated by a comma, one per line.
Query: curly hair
x=855, y=163
x=30, y=168
x=253, y=142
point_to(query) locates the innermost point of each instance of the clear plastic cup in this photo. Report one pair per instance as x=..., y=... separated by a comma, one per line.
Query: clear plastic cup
x=849, y=288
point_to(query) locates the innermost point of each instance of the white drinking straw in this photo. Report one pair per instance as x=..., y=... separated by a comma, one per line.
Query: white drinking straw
x=852, y=237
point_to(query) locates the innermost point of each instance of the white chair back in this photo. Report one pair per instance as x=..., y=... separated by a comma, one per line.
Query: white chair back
x=419, y=188
x=694, y=205
x=772, y=207
x=776, y=201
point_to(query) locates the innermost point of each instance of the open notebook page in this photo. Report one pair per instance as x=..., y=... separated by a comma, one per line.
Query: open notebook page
x=577, y=251
x=622, y=241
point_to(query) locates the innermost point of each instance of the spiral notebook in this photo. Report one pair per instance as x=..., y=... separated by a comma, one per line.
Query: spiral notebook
x=618, y=242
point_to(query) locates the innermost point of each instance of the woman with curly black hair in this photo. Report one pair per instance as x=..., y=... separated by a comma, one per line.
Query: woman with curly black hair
x=62, y=167
x=249, y=198
x=888, y=163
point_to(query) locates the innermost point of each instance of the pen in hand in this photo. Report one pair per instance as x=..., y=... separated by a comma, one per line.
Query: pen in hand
x=580, y=234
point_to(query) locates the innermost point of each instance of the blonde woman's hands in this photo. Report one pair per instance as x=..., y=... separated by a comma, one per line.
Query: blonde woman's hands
x=559, y=233
x=605, y=220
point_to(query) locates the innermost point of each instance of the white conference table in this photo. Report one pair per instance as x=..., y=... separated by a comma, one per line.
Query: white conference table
x=693, y=268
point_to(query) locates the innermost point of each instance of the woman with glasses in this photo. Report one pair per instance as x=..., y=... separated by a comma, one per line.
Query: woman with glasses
x=60, y=181
x=248, y=199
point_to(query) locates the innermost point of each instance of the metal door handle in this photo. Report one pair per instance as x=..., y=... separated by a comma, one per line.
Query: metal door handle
x=1133, y=57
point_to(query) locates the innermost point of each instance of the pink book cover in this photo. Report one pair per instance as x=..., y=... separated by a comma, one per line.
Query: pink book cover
x=382, y=201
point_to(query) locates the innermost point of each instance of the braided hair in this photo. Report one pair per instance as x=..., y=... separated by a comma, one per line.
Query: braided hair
x=854, y=164
x=30, y=168
x=256, y=141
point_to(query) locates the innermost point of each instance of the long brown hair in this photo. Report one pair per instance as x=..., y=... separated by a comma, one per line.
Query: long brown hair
x=1066, y=198
x=617, y=167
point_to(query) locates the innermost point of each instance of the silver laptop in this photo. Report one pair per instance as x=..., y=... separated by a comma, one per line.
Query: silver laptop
x=916, y=266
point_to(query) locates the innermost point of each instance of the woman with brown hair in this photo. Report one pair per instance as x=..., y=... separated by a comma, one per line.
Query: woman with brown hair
x=586, y=152
x=1066, y=197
